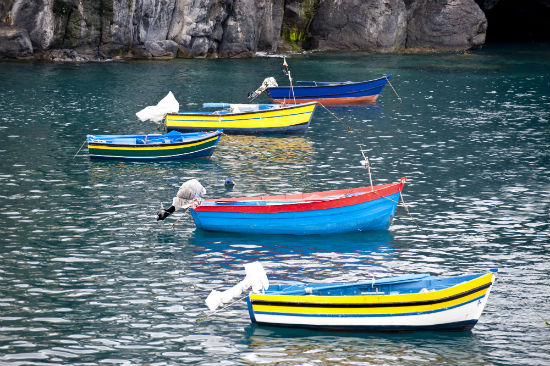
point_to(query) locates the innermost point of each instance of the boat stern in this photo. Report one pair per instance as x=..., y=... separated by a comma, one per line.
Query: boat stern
x=250, y=309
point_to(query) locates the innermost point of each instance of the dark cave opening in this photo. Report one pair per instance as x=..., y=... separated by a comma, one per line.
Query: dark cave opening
x=508, y=21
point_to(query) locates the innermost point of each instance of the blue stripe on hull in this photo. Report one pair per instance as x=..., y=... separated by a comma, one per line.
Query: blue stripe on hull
x=195, y=154
x=372, y=215
x=295, y=129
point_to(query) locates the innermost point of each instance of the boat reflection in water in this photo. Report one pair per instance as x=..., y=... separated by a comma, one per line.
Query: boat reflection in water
x=260, y=164
x=361, y=248
x=273, y=150
x=311, y=346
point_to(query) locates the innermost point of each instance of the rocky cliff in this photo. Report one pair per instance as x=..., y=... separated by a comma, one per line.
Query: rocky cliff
x=102, y=29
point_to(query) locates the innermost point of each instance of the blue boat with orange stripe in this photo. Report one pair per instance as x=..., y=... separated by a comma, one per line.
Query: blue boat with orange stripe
x=344, y=210
x=406, y=303
x=329, y=93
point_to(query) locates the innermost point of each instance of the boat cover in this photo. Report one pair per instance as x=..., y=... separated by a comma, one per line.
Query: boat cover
x=269, y=82
x=188, y=192
x=255, y=279
x=156, y=113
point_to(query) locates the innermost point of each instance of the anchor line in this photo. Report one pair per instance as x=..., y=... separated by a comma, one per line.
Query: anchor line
x=348, y=127
x=206, y=315
x=398, y=97
x=81, y=146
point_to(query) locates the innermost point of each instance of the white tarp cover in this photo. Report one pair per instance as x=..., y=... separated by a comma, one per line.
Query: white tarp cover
x=156, y=113
x=269, y=82
x=255, y=279
x=239, y=108
x=188, y=192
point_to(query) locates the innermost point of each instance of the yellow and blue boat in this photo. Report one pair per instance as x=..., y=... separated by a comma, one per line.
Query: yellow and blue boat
x=406, y=303
x=173, y=145
x=245, y=118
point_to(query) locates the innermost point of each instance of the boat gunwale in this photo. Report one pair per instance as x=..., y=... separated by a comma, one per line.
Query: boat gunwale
x=319, y=96
x=274, y=109
x=386, y=77
x=359, y=305
x=311, y=202
x=203, y=137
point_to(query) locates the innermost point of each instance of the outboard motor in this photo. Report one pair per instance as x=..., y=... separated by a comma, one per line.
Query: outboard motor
x=189, y=193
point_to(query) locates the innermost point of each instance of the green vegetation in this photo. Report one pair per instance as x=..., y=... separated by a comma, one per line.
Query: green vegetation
x=295, y=29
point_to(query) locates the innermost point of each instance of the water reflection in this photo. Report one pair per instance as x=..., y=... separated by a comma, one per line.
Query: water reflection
x=344, y=257
x=373, y=241
x=290, y=150
x=273, y=345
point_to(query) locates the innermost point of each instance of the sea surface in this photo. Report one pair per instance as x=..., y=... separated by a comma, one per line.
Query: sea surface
x=88, y=277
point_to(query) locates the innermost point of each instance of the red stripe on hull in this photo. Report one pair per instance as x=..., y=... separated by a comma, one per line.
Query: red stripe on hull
x=331, y=101
x=316, y=201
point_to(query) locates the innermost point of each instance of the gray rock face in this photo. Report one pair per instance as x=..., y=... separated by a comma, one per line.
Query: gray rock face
x=65, y=55
x=197, y=26
x=226, y=28
x=36, y=16
x=446, y=24
x=152, y=19
x=99, y=29
x=15, y=43
x=375, y=25
x=242, y=26
x=165, y=48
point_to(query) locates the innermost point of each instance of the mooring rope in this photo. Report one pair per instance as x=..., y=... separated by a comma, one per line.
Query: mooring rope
x=407, y=209
x=81, y=146
x=402, y=205
x=398, y=97
x=220, y=309
x=178, y=220
x=536, y=313
x=348, y=127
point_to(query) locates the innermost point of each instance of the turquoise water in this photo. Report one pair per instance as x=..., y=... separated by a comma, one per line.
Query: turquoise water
x=87, y=276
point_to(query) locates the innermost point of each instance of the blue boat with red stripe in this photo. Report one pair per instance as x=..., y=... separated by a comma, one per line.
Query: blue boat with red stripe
x=337, y=211
x=329, y=93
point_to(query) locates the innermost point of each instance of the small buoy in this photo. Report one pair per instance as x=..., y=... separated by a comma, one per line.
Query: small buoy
x=229, y=183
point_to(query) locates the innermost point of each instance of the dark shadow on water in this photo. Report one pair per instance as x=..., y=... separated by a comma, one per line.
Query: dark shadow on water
x=254, y=330
x=105, y=163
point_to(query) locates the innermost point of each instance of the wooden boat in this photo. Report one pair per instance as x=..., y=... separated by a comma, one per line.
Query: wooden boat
x=245, y=118
x=174, y=145
x=344, y=210
x=328, y=93
x=414, y=302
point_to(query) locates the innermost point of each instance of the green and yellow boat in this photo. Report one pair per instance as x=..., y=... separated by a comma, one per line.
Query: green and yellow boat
x=173, y=145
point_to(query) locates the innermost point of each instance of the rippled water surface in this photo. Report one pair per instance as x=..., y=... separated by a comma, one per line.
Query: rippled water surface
x=87, y=276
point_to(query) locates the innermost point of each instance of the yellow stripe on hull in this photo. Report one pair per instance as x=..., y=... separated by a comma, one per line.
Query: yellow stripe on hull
x=373, y=300
x=262, y=119
x=375, y=310
x=145, y=147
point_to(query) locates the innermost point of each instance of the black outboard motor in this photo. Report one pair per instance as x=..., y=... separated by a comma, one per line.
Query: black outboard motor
x=189, y=193
x=164, y=213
